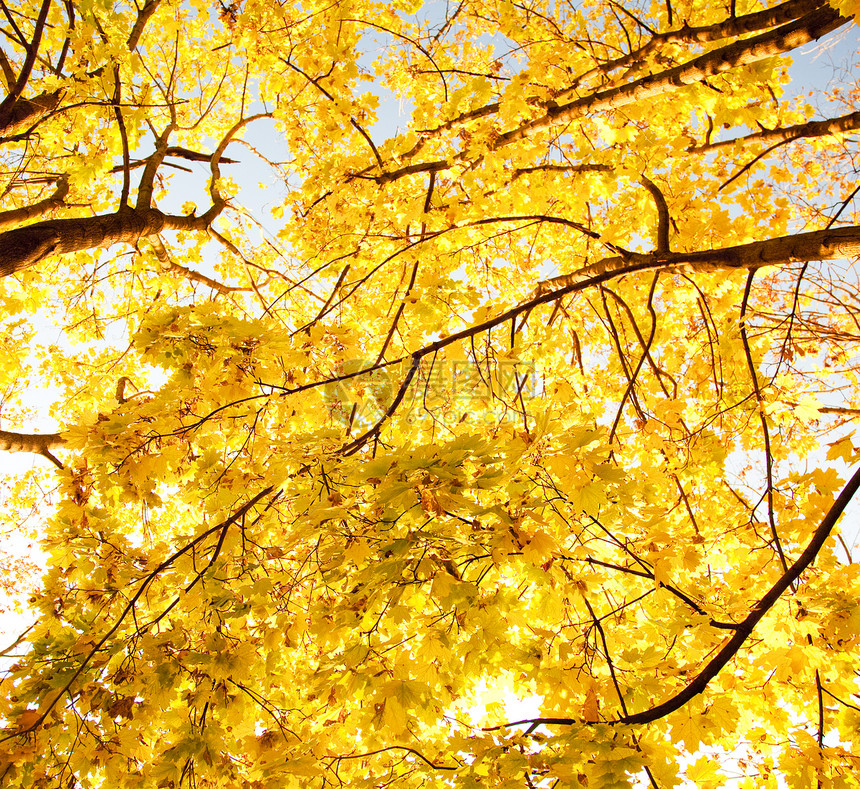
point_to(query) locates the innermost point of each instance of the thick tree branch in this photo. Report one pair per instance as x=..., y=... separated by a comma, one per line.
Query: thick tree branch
x=26, y=246
x=818, y=245
x=730, y=28
x=144, y=189
x=218, y=201
x=29, y=60
x=663, y=217
x=741, y=53
x=37, y=443
x=25, y=112
x=14, y=110
x=844, y=123
x=123, y=135
x=145, y=14
x=8, y=74
x=16, y=216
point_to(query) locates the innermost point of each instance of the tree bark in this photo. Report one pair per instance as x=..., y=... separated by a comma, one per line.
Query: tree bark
x=143, y=16
x=844, y=123
x=733, y=27
x=26, y=246
x=24, y=112
x=18, y=215
x=14, y=110
x=838, y=242
x=37, y=443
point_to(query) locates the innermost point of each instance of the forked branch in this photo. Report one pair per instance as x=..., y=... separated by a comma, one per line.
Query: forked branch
x=742, y=633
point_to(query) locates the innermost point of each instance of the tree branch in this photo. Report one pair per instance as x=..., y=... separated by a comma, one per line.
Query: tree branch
x=29, y=60
x=37, y=443
x=816, y=245
x=774, y=42
x=768, y=456
x=16, y=216
x=144, y=15
x=744, y=629
x=844, y=123
x=663, y=217
x=26, y=246
x=220, y=528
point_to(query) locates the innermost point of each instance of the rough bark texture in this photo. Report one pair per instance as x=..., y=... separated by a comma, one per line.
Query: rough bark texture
x=839, y=242
x=26, y=246
x=741, y=25
x=39, y=444
x=843, y=123
x=18, y=215
x=25, y=112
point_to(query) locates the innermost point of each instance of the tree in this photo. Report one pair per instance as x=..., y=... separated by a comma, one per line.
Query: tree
x=509, y=406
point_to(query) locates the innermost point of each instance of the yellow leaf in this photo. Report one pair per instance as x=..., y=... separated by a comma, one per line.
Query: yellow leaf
x=28, y=719
x=540, y=548
x=842, y=449
x=807, y=408
x=590, y=706
x=705, y=773
x=394, y=716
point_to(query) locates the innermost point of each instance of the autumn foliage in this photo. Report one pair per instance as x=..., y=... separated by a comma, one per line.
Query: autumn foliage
x=499, y=443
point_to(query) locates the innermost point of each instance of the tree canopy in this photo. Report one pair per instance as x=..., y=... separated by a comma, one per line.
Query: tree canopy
x=502, y=448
